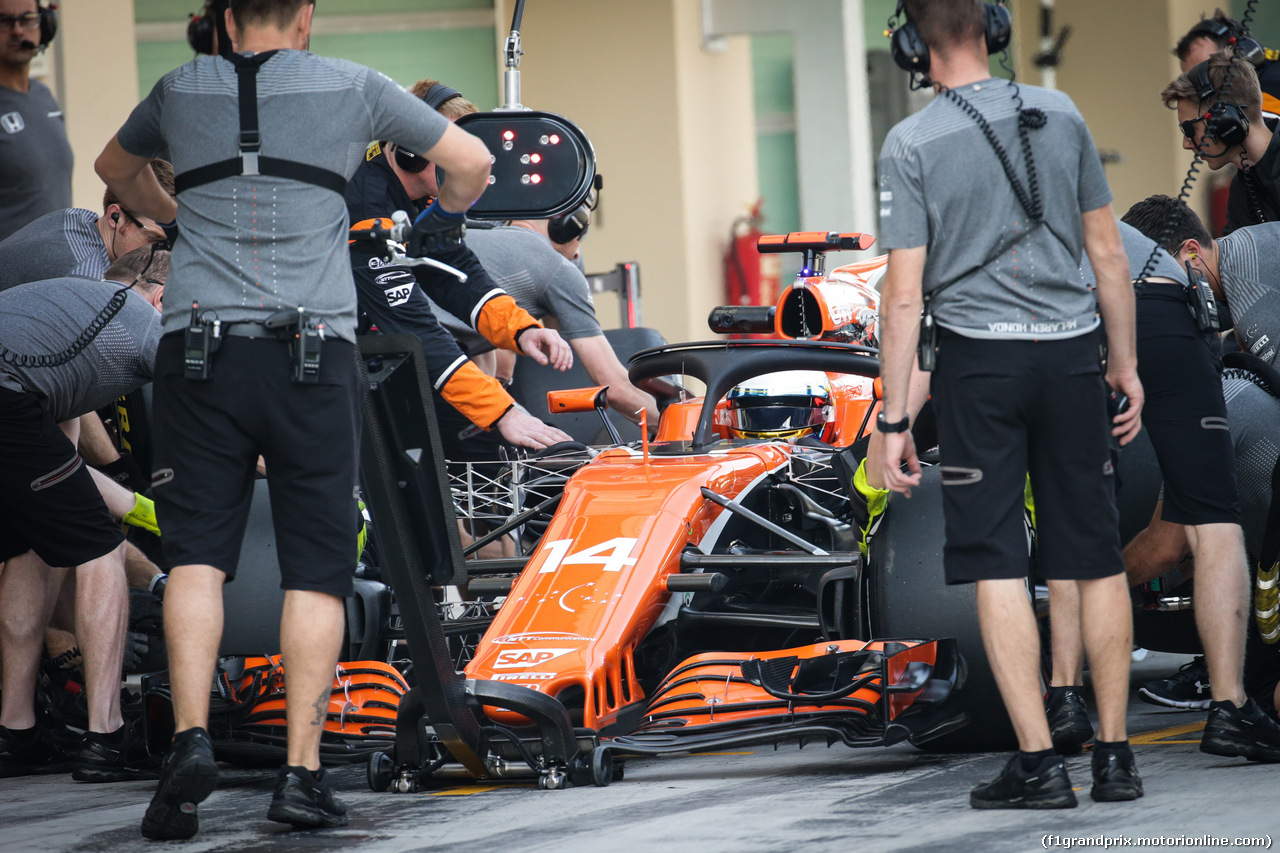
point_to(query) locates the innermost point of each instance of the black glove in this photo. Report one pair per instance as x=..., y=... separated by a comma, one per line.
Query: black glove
x=136, y=647
x=126, y=472
x=436, y=229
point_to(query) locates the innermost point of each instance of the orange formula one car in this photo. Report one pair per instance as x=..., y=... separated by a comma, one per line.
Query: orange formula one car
x=706, y=589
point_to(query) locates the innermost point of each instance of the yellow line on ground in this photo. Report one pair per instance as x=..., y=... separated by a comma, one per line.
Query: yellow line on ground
x=1158, y=737
x=468, y=790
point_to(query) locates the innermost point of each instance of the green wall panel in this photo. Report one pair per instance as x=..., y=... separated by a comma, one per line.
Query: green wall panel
x=465, y=59
x=779, y=188
x=772, y=66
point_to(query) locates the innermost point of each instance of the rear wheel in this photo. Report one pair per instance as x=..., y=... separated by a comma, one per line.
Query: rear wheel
x=908, y=597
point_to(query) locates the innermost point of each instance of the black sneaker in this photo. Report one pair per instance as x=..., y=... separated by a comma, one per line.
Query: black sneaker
x=117, y=757
x=1068, y=716
x=1188, y=689
x=1115, y=775
x=1046, y=787
x=28, y=752
x=1245, y=731
x=188, y=775
x=304, y=801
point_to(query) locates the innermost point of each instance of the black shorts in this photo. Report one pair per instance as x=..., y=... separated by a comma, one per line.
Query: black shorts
x=1185, y=414
x=48, y=500
x=208, y=436
x=1008, y=407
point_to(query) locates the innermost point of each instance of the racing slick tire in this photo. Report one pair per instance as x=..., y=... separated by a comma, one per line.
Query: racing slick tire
x=907, y=597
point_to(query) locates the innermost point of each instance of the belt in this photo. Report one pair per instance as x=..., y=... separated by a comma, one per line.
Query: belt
x=253, y=330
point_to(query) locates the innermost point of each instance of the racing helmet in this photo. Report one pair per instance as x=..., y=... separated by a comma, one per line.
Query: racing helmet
x=787, y=404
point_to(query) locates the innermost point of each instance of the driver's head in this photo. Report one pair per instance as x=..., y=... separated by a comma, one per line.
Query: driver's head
x=787, y=404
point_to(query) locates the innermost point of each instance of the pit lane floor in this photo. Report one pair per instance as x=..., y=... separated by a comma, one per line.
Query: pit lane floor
x=817, y=799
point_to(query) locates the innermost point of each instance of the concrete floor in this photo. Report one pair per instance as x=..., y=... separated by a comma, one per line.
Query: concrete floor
x=791, y=800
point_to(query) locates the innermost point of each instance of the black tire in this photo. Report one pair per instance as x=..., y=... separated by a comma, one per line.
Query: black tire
x=380, y=771
x=601, y=767
x=908, y=598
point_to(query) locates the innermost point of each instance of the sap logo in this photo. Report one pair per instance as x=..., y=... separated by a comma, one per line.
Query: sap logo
x=401, y=288
x=525, y=658
x=540, y=636
x=12, y=122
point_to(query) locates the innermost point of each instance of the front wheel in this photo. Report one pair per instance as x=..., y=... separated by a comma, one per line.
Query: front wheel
x=907, y=597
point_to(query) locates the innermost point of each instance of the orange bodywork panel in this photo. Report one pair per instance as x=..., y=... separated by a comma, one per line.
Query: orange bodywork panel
x=708, y=689
x=577, y=399
x=596, y=584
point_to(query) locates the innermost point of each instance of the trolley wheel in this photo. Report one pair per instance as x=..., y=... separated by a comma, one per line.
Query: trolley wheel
x=601, y=767
x=380, y=771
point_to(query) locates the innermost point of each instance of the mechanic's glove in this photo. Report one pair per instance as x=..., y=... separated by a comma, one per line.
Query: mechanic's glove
x=143, y=514
x=362, y=538
x=867, y=504
x=435, y=230
x=126, y=472
x=136, y=647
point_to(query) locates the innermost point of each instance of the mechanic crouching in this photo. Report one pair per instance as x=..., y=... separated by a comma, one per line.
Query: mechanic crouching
x=67, y=346
x=992, y=258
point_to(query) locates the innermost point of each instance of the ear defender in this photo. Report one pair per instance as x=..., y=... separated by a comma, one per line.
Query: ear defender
x=435, y=97
x=48, y=23
x=911, y=53
x=1224, y=122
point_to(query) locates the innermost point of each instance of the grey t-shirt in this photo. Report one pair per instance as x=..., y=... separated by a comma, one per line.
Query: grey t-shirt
x=1249, y=264
x=250, y=246
x=997, y=274
x=62, y=243
x=35, y=157
x=46, y=317
x=1138, y=246
x=1255, y=432
x=536, y=276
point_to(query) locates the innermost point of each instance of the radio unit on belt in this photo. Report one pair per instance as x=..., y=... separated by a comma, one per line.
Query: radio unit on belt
x=201, y=340
x=1200, y=300
x=304, y=344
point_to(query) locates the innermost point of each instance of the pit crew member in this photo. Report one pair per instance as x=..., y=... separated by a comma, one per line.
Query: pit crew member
x=394, y=298
x=262, y=143
x=1014, y=185
x=1246, y=142
x=1220, y=32
x=51, y=513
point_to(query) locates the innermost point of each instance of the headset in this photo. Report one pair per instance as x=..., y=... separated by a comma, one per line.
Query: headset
x=1225, y=121
x=1235, y=35
x=910, y=51
x=202, y=28
x=573, y=225
x=48, y=27
x=435, y=97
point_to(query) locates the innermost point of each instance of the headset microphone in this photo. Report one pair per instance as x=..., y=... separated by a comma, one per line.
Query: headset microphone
x=28, y=45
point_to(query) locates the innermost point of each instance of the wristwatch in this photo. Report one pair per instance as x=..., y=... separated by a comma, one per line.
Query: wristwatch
x=885, y=426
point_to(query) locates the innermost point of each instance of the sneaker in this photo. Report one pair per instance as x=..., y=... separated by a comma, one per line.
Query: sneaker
x=1045, y=787
x=117, y=757
x=189, y=775
x=1245, y=731
x=304, y=801
x=1115, y=775
x=1068, y=716
x=1188, y=689
x=28, y=752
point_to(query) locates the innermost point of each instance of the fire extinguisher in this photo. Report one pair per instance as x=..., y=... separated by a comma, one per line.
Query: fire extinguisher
x=750, y=278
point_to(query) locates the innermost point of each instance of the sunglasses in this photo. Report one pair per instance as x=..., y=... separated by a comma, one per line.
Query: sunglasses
x=1189, y=127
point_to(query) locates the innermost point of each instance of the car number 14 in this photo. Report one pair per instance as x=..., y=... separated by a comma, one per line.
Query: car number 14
x=611, y=556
